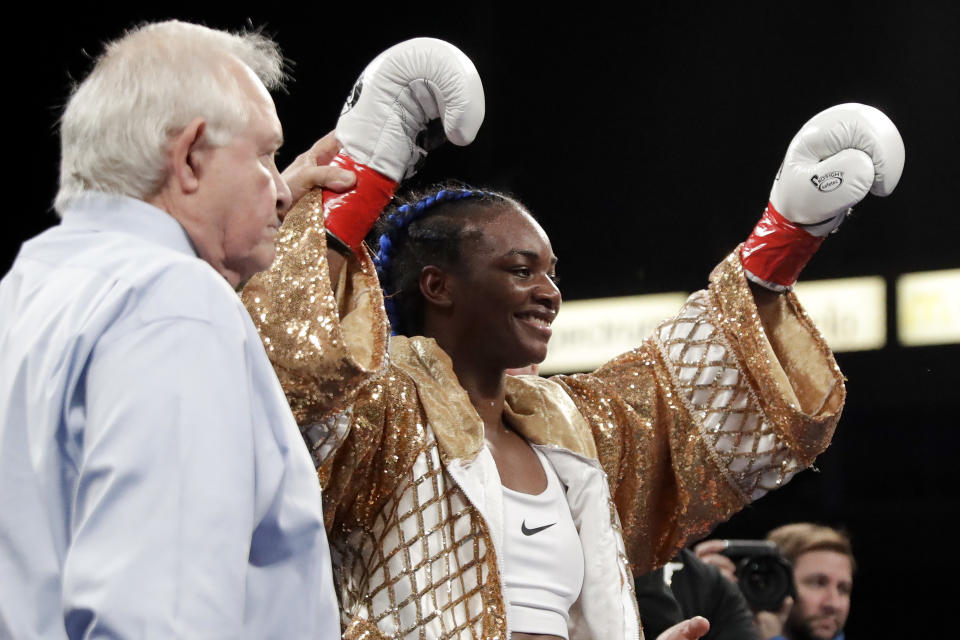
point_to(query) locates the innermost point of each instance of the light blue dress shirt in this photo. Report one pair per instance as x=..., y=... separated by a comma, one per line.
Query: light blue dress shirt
x=153, y=482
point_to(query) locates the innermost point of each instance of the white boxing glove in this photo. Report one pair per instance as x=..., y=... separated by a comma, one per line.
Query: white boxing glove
x=385, y=118
x=403, y=89
x=838, y=156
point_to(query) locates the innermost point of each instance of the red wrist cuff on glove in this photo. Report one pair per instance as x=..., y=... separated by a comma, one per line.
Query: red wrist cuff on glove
x=777, y=251
x=349, y=216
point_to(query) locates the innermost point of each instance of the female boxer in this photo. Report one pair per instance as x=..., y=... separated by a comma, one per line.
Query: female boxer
x=465, y=503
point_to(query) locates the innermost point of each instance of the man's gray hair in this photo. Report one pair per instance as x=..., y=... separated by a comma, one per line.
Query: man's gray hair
x=146, y=87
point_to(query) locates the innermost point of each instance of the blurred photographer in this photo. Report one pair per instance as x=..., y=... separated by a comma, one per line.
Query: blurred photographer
x=823, y=566
x=688, y=587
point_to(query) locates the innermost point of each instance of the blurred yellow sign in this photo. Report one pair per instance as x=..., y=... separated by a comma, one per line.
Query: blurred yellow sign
x=851, y=313
x=587, y=333
x=928, y=307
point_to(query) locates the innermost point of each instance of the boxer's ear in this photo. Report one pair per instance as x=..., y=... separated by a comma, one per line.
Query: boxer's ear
x=435, y=286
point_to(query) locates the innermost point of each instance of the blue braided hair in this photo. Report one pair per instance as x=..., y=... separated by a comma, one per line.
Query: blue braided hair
x=423, y=228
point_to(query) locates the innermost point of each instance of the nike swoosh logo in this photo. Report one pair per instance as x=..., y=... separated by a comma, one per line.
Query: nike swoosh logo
x=530, y=532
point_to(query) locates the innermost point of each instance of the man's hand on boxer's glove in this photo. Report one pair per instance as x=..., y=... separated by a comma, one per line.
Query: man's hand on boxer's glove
x=312, y=169
x=384, y=125
x=838, y=156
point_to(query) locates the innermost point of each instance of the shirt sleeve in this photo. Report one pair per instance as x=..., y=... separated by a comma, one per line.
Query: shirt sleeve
x=164, y=506
x=709, y=414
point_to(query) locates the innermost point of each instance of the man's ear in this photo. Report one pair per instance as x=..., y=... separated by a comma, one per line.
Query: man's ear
x=185, y=156
x=435, y=286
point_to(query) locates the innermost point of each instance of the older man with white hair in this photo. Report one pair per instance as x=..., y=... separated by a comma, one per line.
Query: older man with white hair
x=153, y=482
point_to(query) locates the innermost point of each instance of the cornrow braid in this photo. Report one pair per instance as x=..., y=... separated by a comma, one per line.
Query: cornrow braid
x=423, y=228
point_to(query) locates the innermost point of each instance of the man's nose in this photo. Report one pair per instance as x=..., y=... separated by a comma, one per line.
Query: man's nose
x=284, y=197
x=832, y=599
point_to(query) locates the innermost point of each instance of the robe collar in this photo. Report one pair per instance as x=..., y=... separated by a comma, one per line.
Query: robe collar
x=537, y=408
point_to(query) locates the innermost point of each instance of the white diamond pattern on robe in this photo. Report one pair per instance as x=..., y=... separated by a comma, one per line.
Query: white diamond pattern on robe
x=709, y=379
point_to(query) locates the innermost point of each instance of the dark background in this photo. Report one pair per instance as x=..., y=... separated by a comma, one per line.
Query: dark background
x=646, y=145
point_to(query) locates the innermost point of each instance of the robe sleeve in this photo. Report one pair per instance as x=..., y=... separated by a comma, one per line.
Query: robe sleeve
x=709, y=414
x=324, y=344
x=329, y=350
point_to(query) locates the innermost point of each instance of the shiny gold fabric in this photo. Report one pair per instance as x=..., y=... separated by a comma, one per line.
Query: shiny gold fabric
x=323, y=347
x=703, y=417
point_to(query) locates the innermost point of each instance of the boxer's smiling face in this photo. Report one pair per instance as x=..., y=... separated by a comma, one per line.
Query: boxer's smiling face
x=503, y=292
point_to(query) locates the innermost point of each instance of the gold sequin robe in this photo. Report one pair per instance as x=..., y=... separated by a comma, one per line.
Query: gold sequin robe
x=655, y=447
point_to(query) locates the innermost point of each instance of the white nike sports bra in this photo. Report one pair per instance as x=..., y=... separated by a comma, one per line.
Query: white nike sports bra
x=543, y=563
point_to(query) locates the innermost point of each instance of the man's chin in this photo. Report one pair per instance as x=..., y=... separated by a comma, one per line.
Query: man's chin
x=246, y=269
x=823, y=628
x=820, y=628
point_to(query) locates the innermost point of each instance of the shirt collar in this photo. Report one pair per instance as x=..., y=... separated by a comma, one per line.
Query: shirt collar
x=111, y=212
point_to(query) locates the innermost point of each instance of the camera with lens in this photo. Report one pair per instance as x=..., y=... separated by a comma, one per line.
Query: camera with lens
x=765, y=577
